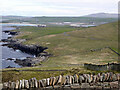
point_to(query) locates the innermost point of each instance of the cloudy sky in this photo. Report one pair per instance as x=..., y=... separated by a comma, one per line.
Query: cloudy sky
x=57, y=7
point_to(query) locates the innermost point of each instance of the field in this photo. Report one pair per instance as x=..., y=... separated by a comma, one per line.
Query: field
x=71, y=48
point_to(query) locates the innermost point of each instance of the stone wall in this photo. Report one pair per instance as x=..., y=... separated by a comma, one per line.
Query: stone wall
x=99, y=81
x=106, y=67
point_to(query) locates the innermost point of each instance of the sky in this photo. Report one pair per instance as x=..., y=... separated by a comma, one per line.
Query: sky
x=57, y=7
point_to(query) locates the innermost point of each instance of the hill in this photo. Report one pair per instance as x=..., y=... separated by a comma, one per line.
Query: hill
x=74, y=45
x=103, y=15
x=46, y=20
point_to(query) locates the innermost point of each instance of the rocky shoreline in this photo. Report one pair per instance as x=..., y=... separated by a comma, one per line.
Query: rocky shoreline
x=36, y=50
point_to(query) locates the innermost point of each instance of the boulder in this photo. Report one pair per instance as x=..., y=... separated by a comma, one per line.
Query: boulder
x=48, y=81
x=5, y=85
x=59, y=80
x=54, y=81
x=114, y=84
x=76, y=77
x=114, y=77
x=44, y=82
x=85, y=85
x=118, y=76
x=17, y=84
x=67, y=80
x=104, y=77
x=81, y=79
x=71, y=80
x=12, y=85
x=85, y=77
x=35, y=83
x=31, y=83
x=20, y=84
x=110, y=77
x=41, y=83
x=89, y=78
x=23, y=84
x=26, y=84
x=98, y=77
x=51, y=81
x=63, y=80
x=95, y=78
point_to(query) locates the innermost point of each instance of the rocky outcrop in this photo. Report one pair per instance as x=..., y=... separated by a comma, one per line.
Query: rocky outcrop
x=30, y=49
x=107, y=80
x=11, y=32
x=30, y=62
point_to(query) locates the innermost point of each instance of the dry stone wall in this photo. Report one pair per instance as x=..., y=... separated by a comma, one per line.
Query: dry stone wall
x=99, y=81
x=106, y=67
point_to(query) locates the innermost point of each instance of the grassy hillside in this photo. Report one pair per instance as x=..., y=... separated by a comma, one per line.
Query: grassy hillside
x=74, y=47
x=70, y=49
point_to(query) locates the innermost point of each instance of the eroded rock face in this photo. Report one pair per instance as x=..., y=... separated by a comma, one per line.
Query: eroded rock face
x=30, y=49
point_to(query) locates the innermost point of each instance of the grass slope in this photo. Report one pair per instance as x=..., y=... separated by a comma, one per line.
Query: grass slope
x=74, y=47
x=69, y=49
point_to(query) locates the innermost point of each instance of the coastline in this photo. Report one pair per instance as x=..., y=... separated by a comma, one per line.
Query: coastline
x=36, y=50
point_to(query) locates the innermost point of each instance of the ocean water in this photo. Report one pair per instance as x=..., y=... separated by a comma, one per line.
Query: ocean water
x=9, y=52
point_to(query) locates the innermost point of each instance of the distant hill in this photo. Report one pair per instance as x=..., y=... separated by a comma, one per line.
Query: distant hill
x=103, y=15
x=95, y=18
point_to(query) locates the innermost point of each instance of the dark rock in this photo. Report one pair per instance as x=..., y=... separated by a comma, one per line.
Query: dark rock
x=10, y=67
x=13, y=33
x=6, y=31
x=31, y=49
x=10, y=59
x=4, y=40
x=24, y=62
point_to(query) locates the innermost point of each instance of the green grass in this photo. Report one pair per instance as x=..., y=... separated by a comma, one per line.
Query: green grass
x=36, y=32
x=74, y=48
x=71, y=49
